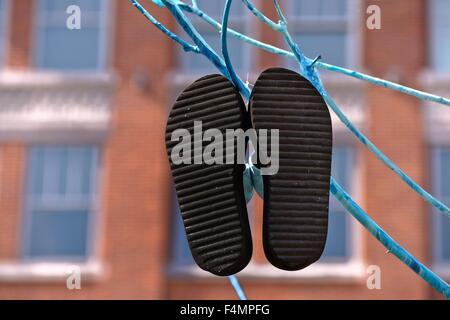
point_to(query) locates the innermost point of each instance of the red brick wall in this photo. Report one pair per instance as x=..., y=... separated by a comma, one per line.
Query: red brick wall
x=20, y=33
x=11, y=181
x=135, y=211
x=397, y=51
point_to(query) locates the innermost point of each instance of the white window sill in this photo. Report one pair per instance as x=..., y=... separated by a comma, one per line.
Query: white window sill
x=20, y=79
x=19, y=272
x=320, y=272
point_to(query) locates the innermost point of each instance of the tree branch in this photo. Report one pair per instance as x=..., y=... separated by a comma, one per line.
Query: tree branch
x=186, y=46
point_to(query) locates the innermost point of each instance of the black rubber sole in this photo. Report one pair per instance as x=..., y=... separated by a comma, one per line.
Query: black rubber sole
x=296, y=199
x=211, y=197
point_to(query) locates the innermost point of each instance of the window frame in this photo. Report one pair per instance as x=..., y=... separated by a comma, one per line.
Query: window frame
x=4, y=43
x=354, y=33
x=441, y=265
x=433, y=47
x=105, y=39
x=94, y=212
x=351, y=249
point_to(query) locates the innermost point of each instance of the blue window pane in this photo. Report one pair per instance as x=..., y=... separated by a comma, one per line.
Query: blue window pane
x=59, y=233
x=60, y=191
x=317, y=8
x=3, y=22
x=445, y=172
x=59, y=171
x=334, y=7
x=215, y=8
x=61, y=5
x=80, y=171
x=2, y=15
x=332, y=46
x=65, y=49
x=440, y=33
x=54, y=169
x=60, y=48
x=339, y=237
x=306, y=8
x=340, y=164
x=336, y=246
x=320, y=27
x=36, y=170
x=198, y=64
x=445, y=237
x=444, y=223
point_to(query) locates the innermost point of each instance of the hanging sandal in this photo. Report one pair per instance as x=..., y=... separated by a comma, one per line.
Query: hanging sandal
x=211, y=196
x=296, y=198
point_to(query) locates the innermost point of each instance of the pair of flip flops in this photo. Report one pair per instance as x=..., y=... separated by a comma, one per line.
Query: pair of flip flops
x=296, y=197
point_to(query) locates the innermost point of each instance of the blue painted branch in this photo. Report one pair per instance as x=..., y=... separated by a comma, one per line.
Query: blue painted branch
x=385, y=84
x=335, y=189
x=434, y=280
x=261, y=16
x=383, y=158
x=234, y=77
x=204, y=47
x=216, y=25
x=237, y=287
x=186, y=46
x=308, y=70
x=281, y=52
x=356, y=211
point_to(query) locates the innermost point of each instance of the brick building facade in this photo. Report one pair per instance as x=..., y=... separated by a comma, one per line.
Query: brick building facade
x=84, y=178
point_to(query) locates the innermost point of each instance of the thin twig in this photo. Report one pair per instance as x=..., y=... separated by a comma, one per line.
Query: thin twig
x=311, y=73
x=186, y=46
x=234, y=76
x=351, y=73
x=261, y=16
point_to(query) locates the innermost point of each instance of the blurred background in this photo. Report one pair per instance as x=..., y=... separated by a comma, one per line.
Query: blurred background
x=84, y=179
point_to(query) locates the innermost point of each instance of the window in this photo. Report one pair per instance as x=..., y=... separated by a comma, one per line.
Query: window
x=3, y=30
x=339, y=240
x=239, y=52
x=441, y=224
x=321, y=27
x=339, y=246
x=61, y=48
x=61, y=199
x=439, y=35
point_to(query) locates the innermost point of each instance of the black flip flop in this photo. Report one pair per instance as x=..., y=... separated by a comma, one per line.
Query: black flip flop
x=296, y=199
x=211, y=197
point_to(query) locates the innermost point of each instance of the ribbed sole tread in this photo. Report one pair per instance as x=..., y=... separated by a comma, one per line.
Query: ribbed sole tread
x=296, y=199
